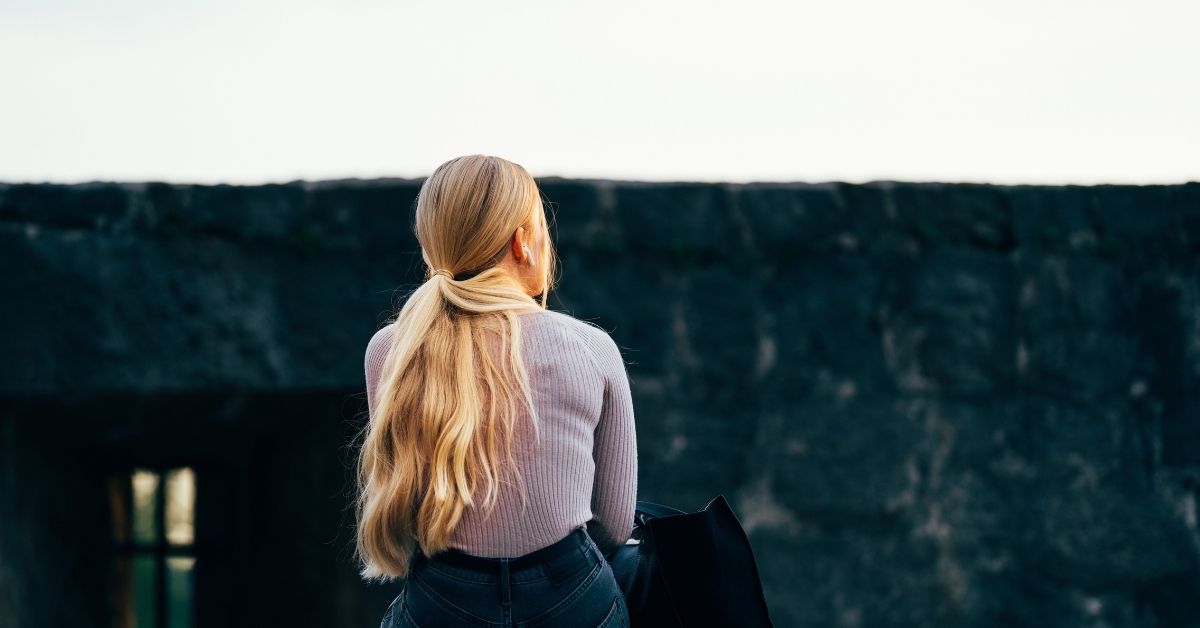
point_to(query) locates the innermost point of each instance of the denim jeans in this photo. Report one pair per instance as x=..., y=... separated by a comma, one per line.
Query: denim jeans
x=567, y=584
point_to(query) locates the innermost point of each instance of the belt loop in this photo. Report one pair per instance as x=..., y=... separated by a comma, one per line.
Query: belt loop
x=505, y=591
x=592, y=548
x=581, y=548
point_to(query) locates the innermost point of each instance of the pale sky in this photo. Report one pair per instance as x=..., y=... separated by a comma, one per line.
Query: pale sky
x=251, y=91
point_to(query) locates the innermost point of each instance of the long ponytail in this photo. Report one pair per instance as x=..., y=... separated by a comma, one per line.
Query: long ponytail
x=453, y=383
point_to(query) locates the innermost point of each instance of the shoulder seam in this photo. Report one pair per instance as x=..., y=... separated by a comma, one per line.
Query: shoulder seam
x=587, y=345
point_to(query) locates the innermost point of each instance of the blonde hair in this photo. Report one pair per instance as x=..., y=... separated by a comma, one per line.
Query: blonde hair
x=430, y=449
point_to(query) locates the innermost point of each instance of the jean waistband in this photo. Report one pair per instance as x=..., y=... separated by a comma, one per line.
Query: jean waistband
x=562, y=547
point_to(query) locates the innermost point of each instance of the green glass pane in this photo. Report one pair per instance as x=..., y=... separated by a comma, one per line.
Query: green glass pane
x=180, y=578
x=145, y=506
x=144, y=577
x=181, y=506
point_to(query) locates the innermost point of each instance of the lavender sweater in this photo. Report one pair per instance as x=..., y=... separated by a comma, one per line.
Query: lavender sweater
x=584, y=468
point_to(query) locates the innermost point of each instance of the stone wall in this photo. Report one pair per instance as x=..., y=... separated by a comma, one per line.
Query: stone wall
x=930, y=404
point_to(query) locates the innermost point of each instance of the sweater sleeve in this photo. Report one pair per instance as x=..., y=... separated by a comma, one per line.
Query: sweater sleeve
x=614, y=493
x=377, y=349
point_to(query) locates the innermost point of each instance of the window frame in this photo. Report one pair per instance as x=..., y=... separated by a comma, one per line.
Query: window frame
x=160, y=549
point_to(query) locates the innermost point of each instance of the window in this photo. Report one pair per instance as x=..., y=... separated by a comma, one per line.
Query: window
x=154, y=530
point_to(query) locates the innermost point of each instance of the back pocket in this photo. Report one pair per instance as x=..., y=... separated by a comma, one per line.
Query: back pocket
x=616, y=615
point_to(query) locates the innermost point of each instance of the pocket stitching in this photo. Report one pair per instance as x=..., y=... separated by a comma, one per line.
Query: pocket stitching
x=613, y=613
x=565, y=603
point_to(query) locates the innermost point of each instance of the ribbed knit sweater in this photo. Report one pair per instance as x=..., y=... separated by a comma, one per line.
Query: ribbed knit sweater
x=582, y=467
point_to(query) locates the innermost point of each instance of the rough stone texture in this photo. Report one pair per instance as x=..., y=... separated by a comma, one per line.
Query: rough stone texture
x=930, y=404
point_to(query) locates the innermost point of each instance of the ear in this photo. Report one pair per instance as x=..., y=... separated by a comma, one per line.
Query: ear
x=518, y=244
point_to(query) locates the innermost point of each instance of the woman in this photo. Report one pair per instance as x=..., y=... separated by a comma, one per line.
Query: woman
x=499, y=462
